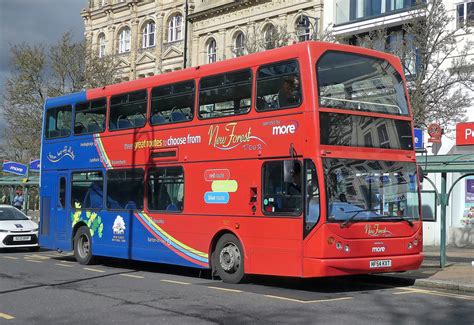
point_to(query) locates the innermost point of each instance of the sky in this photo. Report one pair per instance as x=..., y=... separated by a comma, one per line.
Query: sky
x=36, y=22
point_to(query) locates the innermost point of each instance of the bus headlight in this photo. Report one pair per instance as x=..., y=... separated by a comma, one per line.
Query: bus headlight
x=415, y=242
x=346, y=248
x=410, y=245
x=338, y=246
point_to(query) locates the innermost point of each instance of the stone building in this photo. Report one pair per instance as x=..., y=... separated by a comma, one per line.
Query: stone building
x=148, y=36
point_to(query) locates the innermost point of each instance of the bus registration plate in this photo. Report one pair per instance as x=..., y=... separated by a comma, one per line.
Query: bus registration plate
x=380, y=263
x=22, y=238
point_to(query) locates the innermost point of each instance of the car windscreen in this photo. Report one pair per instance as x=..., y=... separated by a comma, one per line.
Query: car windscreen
x=11, y=214
x=358, y=82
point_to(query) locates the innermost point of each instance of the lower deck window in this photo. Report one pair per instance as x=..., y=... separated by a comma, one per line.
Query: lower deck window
x=125, y=189
x=166, y=189
x=282, y=187
x=87, y=190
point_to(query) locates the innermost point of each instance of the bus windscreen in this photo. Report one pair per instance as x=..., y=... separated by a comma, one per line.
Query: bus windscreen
x=371, y=190
x=357, y=82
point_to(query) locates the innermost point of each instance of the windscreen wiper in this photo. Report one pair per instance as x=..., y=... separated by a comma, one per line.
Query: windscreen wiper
x=345, y=223
x=400, y=218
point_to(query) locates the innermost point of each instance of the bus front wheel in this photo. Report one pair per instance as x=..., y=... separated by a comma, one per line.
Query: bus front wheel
x=83, y=246
x=228, y=259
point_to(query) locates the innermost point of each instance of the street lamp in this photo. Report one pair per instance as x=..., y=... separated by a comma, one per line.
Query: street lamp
x=305, y=24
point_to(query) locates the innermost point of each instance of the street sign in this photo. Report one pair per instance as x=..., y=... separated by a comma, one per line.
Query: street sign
x=418, y=138
x=35, y=165
x=465, y=134
x=14, y=168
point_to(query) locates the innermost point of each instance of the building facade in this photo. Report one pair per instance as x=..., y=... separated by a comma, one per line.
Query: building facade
x=150, y=37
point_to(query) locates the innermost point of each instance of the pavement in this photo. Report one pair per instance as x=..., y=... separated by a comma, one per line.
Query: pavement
x=457, y=275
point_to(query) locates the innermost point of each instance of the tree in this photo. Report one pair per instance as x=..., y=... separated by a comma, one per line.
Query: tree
x=435, y=59
x=38, y=73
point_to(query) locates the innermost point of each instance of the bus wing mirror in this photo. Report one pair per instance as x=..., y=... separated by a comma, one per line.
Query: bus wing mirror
x=421, y=174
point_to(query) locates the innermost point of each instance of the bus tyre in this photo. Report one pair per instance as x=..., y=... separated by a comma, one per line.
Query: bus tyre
x=228, y=259
x=83, y=246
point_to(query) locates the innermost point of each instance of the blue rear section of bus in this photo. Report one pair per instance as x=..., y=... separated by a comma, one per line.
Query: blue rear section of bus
x=124, y=233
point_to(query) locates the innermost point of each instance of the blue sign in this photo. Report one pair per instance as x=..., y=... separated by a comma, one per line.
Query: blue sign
x=35, y=165
x=216, y=197
x=14, y=168
x=418, y=138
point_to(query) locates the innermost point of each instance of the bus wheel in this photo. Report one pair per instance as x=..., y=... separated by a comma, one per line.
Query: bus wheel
x=228, y=259
x=83, y=246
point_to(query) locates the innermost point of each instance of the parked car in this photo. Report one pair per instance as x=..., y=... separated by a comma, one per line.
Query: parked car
x=16, y=229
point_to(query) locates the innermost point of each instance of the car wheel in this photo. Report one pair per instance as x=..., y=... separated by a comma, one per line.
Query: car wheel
x=83, y=246
x=228, y=259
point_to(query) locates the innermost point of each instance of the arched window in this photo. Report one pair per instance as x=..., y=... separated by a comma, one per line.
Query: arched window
x=269, y=37
x=148, y=35
x=303, y=34
x=124, y=40
x=211, y=51
x=175, y=28
x=239, y=45
x=101, y=45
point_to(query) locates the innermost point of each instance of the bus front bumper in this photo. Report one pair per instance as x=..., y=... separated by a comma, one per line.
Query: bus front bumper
x=314, y=267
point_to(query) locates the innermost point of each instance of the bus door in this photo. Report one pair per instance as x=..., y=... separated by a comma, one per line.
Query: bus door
x=63, y=223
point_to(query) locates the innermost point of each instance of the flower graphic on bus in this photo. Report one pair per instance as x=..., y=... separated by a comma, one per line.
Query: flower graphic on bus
x=92, y=219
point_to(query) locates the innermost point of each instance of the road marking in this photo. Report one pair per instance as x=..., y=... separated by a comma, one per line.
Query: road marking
x=308, y=301
x=432, y=292
x=6, y=316
x=33, y=261
x=175, y=282
x=10, y=257
x=94, y=270
x=225, y=289
x=132, y=276
x=65, y=265
x=36, y=256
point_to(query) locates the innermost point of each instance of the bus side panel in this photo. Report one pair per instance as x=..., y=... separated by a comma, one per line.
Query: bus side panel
x=47, y=225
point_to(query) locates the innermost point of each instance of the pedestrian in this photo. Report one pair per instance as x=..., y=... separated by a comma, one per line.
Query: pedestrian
x=18, y=199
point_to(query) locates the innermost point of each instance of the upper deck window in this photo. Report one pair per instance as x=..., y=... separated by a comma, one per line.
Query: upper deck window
x=225, y=94
x=58, y=122
x=89, y=117
x=172, y=103
x=278, y=86
x=128, y=110
x=358, y=82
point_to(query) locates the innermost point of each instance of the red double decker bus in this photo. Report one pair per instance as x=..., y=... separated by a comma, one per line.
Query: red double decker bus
x=297, y=161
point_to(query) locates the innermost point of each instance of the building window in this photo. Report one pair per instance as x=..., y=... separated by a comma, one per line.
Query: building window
x=101, y=45
x=269, y=37
x=175, y=28
x=124, y=40
x=304, y=21
x=148, y=35
x=465, y=15
x=211, y=51
x=239, y=45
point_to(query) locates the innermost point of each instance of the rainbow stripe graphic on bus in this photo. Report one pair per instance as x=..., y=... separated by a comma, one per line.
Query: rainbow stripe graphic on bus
x=101, y=150
x=188, y=253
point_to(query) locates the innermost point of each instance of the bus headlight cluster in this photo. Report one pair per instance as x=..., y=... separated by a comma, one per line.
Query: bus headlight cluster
x=415, y=242
x=410, y=245
x=346, y=249
x=338, y=246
